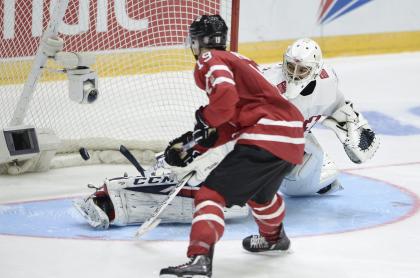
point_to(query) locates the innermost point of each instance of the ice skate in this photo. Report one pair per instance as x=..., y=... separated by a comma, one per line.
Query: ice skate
x=199, y=266
x=257, y=243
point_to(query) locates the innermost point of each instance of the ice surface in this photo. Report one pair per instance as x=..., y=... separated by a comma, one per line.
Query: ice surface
x=386, y=86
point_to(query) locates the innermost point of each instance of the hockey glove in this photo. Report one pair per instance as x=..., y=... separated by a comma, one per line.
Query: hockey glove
x=204, y=135
x=359, y=140
x=175, y=155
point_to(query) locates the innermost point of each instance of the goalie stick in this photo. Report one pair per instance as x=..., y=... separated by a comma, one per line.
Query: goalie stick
x=125, y=152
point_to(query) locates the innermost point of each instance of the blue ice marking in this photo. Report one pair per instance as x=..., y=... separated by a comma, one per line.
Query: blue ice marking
x=362, y=204
x=415, y=110
x=383, y=124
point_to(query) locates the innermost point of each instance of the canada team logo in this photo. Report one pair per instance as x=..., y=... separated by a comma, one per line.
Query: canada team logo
x=330, y=10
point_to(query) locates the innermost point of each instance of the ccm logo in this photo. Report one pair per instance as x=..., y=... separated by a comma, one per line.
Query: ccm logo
x=153, y=180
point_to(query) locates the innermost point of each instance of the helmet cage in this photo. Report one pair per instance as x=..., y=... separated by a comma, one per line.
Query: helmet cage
x=302, y=63
x=298, y=71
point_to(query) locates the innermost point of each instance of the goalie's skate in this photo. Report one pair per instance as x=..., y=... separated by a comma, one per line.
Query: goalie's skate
x=331, y=188
x=257, y=243
x=198, y=267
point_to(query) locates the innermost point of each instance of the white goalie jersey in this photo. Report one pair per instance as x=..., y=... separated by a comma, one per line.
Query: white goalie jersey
x=318, y=100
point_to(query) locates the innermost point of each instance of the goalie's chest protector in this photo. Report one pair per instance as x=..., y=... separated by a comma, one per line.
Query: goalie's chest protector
x=239, y=95
x=321, y=102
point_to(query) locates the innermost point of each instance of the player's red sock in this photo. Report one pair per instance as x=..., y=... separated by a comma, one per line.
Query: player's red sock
x=208, y=222
x=269, y=216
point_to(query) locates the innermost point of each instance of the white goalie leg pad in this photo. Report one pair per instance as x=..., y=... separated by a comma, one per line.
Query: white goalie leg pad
x=141, y=205
x=115, y=188
x=316, y=171
x=236, y=212
x=352, y=129
x=329, y=172
x=329, y=182
x=134, y=207
x=94, y=215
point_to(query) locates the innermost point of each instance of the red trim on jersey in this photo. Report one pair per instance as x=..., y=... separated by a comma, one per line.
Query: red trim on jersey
x=309, y=123
x=282, y=87
x=323, y=74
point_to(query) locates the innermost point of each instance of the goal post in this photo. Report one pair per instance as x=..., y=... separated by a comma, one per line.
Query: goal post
x=147, y=94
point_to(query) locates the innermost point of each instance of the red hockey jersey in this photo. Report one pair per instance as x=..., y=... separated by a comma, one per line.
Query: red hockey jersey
x=243, y=105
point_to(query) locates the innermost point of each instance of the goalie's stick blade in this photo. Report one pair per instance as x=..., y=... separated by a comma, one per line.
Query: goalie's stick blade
x=154, y=220
x=125, y=152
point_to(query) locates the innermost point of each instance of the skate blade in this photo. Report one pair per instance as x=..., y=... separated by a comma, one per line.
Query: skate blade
x=273, y=253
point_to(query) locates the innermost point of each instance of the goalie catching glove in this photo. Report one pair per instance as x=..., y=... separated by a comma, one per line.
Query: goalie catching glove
x=359, y=140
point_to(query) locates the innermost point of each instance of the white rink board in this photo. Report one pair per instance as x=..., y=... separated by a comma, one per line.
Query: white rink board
x=270, y=20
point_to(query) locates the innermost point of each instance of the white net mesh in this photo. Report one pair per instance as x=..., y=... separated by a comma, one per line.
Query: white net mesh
x=147, y=92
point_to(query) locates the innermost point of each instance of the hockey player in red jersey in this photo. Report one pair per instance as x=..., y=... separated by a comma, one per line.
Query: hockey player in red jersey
x=268, y=130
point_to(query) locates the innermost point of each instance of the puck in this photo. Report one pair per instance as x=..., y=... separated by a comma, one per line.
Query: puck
x=84, y=153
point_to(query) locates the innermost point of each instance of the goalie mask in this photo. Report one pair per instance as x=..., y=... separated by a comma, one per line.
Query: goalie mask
x=207, y=31
x=302, y=63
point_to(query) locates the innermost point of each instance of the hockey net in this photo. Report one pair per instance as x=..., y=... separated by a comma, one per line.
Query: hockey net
x=147, y=94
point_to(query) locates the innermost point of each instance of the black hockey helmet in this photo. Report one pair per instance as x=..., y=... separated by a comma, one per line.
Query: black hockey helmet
x=210, y=30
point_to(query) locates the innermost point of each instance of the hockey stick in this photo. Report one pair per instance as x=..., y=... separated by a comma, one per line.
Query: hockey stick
x=153, y=220
x=125, y=152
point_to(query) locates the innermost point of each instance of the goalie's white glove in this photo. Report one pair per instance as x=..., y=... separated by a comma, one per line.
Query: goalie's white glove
x=352, y=129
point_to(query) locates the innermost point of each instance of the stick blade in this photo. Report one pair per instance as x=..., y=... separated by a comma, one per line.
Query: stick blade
x=146, y=227
x=126, y=152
